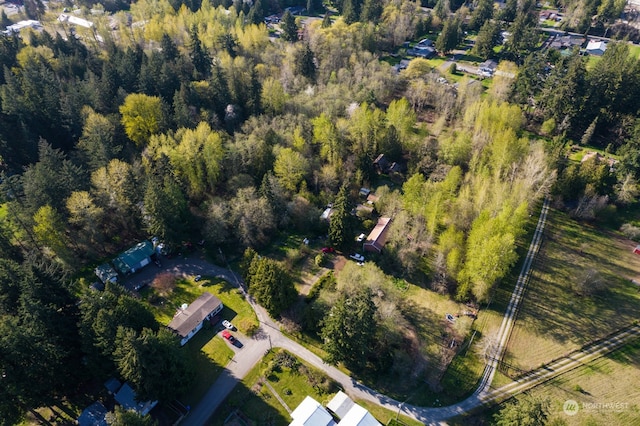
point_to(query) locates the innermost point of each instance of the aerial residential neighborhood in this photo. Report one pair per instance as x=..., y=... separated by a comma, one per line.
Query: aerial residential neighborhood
x=319, y=212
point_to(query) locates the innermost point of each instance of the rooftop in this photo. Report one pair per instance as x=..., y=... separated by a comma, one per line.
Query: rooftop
x=187, y=319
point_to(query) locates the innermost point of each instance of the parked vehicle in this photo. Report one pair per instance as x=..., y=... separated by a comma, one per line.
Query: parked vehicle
x=357, y=257
x=328, y=250
x=227, y=325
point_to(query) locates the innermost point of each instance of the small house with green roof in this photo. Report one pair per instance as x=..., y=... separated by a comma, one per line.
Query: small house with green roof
x=135, y=258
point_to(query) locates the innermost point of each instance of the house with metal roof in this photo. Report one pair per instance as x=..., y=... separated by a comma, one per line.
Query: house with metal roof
x=93, y=415
x=127, y=398
x=135, y=258
x=190, y=319
x=106, y=273
x=378, y=236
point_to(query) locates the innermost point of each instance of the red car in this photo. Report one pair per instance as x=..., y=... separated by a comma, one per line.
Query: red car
x=228, y=336
x=328, y=250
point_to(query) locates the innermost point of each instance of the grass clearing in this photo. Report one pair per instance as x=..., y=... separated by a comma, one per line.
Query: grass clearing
x=553, y=319
x=387, y=417
x=613, y=380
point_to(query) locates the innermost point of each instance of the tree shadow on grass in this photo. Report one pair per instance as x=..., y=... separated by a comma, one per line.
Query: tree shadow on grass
x=249, y=404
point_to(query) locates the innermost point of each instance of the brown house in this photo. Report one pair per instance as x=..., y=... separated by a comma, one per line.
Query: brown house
x=378, y=237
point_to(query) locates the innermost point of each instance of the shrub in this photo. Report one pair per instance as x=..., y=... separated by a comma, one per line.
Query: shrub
x=630, y=231
x=164, y=283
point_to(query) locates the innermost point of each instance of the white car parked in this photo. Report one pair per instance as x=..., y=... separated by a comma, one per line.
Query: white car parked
x=357, y=257
x=227, y=325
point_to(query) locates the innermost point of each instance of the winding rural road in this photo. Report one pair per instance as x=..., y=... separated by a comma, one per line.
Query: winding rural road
x=269, y=336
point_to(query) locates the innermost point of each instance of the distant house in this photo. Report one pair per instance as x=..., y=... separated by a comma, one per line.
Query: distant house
x=127, y=398
x=295, y=10
x=93, y=415
x=189, y=319
x=378, y=237
x=402, y=65
x=326, y=214
x=16, y=28
x=488, y=67
x=106, y=273
x=311, y=413
x=381, y=164
x=137, y=257
x=364, y=192
x=426, y=52
x=70, y=19
x=596, y=48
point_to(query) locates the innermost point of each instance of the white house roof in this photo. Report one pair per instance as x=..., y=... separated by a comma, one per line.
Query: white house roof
x=358, y=416
x=596, y=45
x=311, y=413
x=340, y=404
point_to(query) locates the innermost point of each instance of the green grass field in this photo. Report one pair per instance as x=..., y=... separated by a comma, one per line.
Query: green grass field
x=612, y=380
x=554, y=319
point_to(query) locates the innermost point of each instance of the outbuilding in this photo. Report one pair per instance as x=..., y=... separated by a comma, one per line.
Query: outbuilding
x=134, y=259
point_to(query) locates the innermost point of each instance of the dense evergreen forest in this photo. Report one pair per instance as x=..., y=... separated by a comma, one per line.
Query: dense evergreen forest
x=199, y=124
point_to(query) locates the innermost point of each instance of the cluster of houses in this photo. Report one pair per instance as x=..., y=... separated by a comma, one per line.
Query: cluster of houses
x=340, y=411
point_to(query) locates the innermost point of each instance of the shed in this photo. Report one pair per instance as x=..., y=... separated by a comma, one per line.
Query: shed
x=93, y=415
x=596, y=47
x=358, y=416
x=106, y=273
x=378, y=236
x=188, y=321
x=127, y=398
x=135, y=258
x=364, y=192
x=340, y=404
x=311, y=413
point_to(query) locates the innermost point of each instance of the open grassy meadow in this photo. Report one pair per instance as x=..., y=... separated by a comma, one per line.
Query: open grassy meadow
x=607, y=391
x=554, y=319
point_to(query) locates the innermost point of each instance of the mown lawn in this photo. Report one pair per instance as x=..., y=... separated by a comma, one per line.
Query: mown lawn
x=554, y=319
x=208, y=352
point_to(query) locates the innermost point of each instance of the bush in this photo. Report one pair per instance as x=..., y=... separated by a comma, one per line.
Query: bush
x=630, y=231
x=164, y=283
x=327, y=281
x=319, y=259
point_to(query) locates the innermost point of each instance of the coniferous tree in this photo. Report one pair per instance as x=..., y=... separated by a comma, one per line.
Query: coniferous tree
x=326, y=21
x=305, y=63
x=349, y=329
x=289, y=27
x=340, y=223
x=198, y=54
